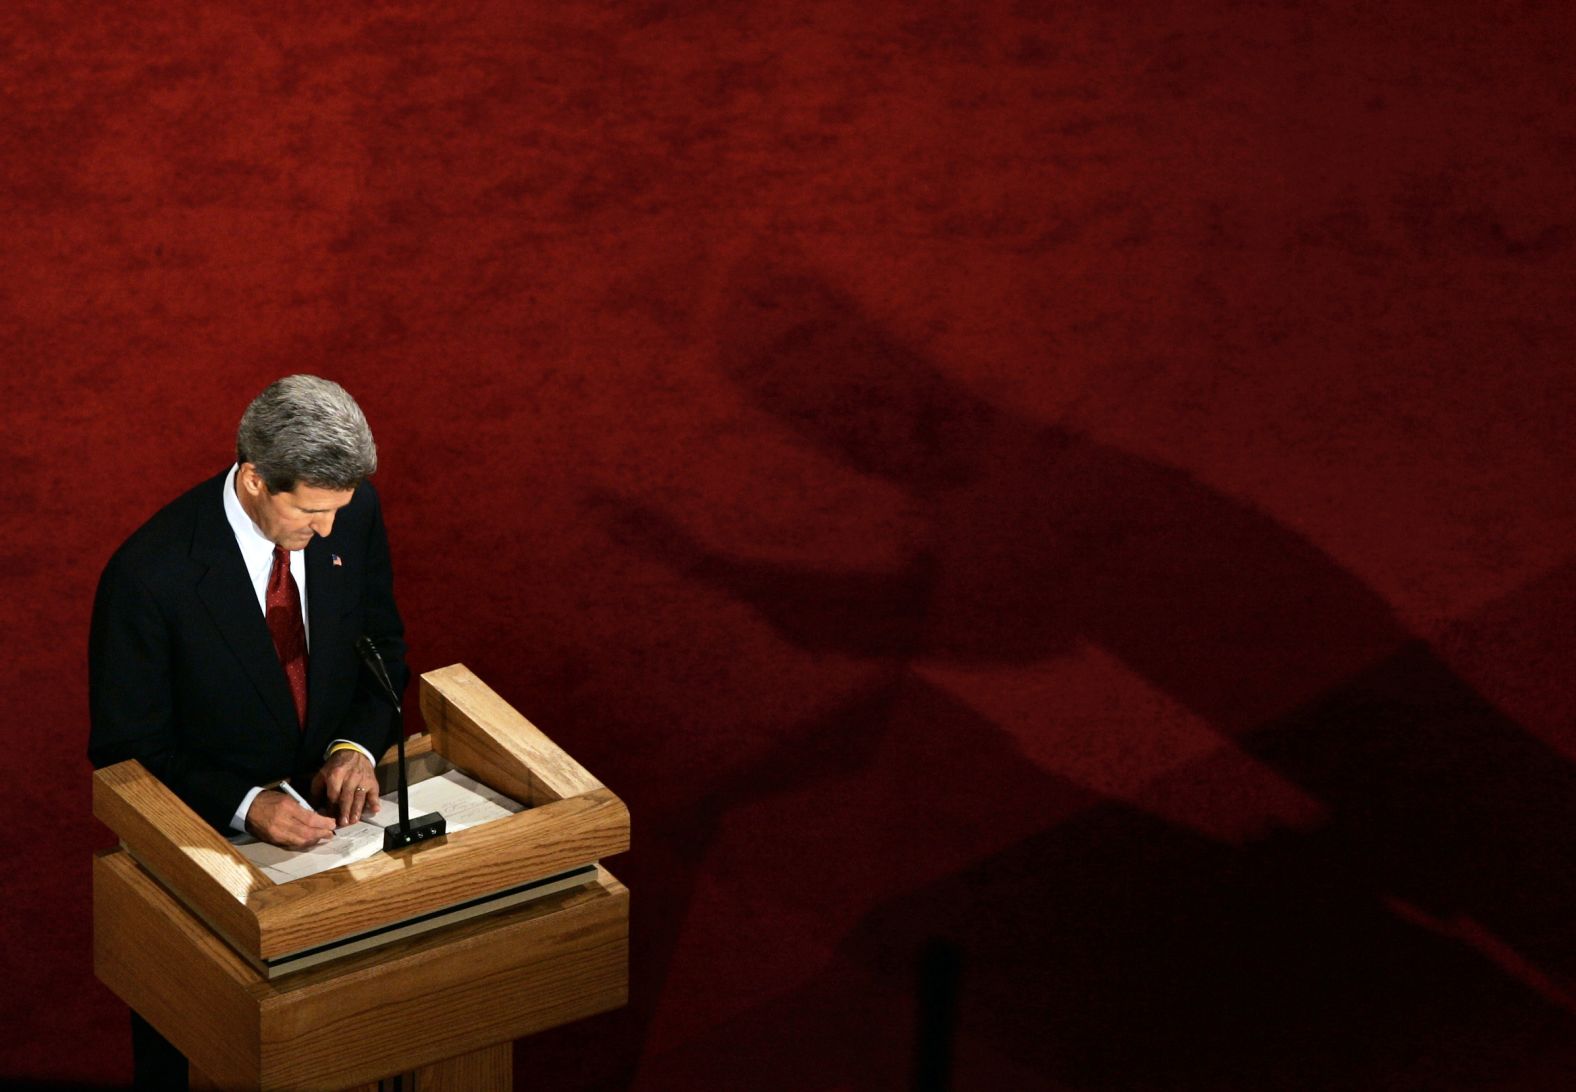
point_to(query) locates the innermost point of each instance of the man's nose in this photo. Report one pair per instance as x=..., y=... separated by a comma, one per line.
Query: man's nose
x=322, y=526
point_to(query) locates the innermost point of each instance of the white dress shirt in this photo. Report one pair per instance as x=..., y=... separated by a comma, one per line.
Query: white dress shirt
x=257, y=552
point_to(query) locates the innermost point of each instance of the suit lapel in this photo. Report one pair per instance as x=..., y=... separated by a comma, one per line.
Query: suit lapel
x=226, y=591
x=324, y=589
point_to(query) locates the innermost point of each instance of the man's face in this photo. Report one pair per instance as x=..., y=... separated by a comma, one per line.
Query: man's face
x=289, y=519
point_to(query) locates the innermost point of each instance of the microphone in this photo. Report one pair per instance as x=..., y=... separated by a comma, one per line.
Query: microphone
x=408, y=832
x=380, y=672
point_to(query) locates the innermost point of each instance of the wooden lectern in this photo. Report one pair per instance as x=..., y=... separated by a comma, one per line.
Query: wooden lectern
x=429, y=961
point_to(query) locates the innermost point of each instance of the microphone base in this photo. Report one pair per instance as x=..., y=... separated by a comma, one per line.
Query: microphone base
x=423, y=828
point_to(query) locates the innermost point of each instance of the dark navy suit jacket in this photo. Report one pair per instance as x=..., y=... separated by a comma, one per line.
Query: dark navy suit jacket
x=182, y=671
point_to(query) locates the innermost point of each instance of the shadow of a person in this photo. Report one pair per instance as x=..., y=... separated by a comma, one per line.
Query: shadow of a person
x=1037, y=537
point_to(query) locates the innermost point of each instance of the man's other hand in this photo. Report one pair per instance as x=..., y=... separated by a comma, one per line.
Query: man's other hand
x=349, y=786
x=276, y=818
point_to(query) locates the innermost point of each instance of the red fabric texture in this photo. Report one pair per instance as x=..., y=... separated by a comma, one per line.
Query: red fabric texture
x=1056, y=518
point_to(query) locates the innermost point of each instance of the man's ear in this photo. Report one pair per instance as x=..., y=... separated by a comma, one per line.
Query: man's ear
x=251, y=480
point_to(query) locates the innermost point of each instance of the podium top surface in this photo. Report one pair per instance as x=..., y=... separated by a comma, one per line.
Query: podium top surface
x=572, y=820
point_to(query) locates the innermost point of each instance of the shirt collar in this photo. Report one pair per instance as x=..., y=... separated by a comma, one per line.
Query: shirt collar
x=257, y=552
x=252, y=541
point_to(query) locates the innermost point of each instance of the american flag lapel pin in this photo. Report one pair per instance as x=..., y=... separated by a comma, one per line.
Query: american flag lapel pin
x=338, y=564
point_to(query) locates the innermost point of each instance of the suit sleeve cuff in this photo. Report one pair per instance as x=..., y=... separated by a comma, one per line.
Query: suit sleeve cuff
x=349, y=745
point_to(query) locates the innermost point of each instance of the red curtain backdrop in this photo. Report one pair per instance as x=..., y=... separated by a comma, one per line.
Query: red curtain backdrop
x=1056, y=518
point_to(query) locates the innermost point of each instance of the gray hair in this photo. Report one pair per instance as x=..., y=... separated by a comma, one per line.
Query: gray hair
x=303, y=430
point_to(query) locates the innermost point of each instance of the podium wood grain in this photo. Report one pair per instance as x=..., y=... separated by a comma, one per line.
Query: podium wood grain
x=187, y=853
x=471, y=987
x=574, y=820
x=478, y=1071
x=184, y=935
x=477, y=730
x=502, y=854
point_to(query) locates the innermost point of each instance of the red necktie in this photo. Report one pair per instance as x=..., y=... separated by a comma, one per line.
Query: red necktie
x=284, y=625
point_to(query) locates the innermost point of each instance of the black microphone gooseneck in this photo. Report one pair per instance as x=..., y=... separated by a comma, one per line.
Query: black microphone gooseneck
x=432, y=824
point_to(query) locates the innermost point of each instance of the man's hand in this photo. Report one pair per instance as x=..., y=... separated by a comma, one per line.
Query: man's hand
x=276, y=818
x=348, y=784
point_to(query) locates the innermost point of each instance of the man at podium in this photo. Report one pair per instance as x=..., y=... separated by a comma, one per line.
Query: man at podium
x=222, y=651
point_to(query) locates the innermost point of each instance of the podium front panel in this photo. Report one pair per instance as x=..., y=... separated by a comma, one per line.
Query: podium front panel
x=464, y=988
